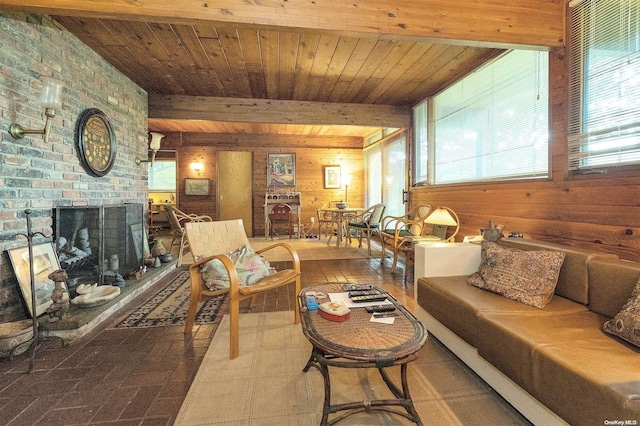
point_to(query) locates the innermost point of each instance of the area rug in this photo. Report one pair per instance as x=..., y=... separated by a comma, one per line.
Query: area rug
x=314, y=249
x=265, y=385
x=169, y=306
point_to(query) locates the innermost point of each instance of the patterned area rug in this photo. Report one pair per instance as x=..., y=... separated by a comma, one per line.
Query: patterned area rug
x=169, y=307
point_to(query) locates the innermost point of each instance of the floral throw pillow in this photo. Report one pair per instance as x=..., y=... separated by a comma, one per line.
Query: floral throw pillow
x=528, y=277
x=626, y=323
x=251, y=268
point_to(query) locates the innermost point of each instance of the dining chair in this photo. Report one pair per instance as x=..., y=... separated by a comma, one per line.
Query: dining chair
x=177, y=219
x=397, y=232
x=326, y=219
x=280, y=214
x=366, y=223
x=214, y=242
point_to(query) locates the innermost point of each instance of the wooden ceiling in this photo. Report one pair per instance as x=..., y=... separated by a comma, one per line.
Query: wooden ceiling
x=261, y=52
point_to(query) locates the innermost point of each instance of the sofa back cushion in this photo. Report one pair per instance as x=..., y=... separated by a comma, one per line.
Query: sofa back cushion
x=611, y=282
x=573, y=281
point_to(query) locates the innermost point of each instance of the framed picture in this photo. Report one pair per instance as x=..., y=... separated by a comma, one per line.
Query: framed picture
x=196, y=186
x=281, y=169
x=45, y=261
x=332, y=177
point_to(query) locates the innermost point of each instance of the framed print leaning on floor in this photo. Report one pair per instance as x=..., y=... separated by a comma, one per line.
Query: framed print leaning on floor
x=45, y=261
x=281, y=169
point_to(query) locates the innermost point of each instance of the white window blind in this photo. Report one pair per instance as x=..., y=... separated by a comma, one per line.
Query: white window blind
x=493, y=124
x=604, y=84
x=420, y=147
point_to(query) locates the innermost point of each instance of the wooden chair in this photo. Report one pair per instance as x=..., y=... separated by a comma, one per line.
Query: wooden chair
x=326, y=219
x=396, y=231
x=280, y=214
x=212, y=240
x=366, y=223
x=177, y=219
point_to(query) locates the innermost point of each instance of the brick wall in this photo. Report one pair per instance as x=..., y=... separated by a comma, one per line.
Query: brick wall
x=41, y=176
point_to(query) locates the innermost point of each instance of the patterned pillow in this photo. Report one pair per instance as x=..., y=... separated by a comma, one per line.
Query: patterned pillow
x=528, y=277
x=251, y=268
x=626, y=323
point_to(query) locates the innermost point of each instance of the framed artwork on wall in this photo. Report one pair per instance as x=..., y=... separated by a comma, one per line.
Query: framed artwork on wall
x=332, y=177
x=45, y=261
x=281, y=169
x=194, y=186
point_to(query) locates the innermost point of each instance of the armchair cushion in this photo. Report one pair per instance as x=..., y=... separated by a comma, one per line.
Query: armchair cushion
x=529, y=277
x=250, y=266
x=626, y=324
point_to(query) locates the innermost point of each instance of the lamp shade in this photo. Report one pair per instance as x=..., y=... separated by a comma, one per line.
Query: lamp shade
x=154, y=145
x=441, y=216
x=197, y=166
x=51, y=93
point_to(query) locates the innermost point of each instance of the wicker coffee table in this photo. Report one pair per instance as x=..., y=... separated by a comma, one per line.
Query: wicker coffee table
x=360, y=343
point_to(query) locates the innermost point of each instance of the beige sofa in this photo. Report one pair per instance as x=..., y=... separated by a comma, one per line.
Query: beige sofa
x=555, y=365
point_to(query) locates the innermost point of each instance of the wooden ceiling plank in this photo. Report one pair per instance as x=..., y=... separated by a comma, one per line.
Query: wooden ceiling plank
x=230, y=43
x=219, y=64
x=289, y=44
x=326, y=50
x=191, y=43
x=269, y=52
x=250, y=47
x=273, y=111
x=339, y=61
x=379, y=52
x=492, y=22
x=360, y=54
x=306, y=55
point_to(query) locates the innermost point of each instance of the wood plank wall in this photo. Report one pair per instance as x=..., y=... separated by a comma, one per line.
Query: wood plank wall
x=597, y=211
x=312, y=153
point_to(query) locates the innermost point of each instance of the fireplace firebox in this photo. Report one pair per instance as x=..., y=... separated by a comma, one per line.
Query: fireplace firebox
x=102, y=244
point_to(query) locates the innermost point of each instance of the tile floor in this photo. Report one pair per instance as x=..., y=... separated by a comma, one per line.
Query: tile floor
x=141, y=376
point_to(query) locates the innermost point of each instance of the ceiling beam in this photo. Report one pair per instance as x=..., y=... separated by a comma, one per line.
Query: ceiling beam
x=179, y=107
x=495, y=23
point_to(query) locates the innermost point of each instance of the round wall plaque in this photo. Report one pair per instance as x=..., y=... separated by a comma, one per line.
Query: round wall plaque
x=96, y=142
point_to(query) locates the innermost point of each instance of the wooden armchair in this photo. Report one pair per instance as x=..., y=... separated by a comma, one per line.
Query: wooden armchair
x=213, y=240
x=280, y=214
x=366, y=223
x=397, y=231
x=177, y=219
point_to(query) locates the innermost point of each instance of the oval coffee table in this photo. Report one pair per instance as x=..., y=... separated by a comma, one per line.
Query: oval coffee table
x=360, y=343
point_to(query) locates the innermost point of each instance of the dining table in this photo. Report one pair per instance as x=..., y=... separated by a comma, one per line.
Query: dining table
x=340, y=217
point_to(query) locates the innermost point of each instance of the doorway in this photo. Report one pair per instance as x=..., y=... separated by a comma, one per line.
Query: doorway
x=235, y=183
x=386, y=173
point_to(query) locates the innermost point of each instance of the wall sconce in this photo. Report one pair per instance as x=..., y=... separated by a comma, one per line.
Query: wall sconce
x=51, y=99
x=154, y=146
x=197, y=166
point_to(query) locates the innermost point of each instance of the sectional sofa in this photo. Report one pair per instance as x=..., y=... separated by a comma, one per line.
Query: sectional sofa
x=556, y=364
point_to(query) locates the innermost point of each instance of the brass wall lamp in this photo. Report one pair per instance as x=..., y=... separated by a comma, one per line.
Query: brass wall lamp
x=154, y=146
x=51, y=99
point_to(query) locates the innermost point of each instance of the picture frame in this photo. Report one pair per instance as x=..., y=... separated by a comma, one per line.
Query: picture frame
x=45, y=261
x=332, y=177
x=281, y=169
x=195, y=186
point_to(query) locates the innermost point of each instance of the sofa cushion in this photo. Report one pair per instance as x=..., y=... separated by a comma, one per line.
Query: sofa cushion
x=611, y=281
x=626, y=324
x=573, y=281
x=458, y=305
x=528, y=277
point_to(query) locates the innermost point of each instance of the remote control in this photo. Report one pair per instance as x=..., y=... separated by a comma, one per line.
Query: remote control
x=380, y=308
x=356, y=287
x=363, y=293
x=369, y=298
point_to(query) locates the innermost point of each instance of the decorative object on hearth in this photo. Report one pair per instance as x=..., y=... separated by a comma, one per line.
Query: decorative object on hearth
x=491, y=233
x=51, y=99
x=44, y=261
x=96, y=142
x=154, y=147
x=91, y=295
x=14, y=338
x=158, y=248
x=59, y=296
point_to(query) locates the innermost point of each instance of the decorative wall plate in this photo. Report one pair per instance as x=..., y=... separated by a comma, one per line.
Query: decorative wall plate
x=96, y=142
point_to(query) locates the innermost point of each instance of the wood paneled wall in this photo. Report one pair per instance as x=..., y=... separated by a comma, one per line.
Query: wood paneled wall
x=596, y=211
x=312, y=153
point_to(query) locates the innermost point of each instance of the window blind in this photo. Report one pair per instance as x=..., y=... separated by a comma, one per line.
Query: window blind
x=493, y=124
x=420, y=147
x=604, y=84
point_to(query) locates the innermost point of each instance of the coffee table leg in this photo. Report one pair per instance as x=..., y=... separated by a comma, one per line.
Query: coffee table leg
x=324, y=370
x=402, y=395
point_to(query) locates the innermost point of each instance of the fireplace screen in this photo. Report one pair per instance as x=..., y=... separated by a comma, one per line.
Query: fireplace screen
x=99, y=244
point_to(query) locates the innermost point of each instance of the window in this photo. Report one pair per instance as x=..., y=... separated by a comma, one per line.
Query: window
x=493, y=124
x=162, y=176
x=604, y=84
x=420, y=151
